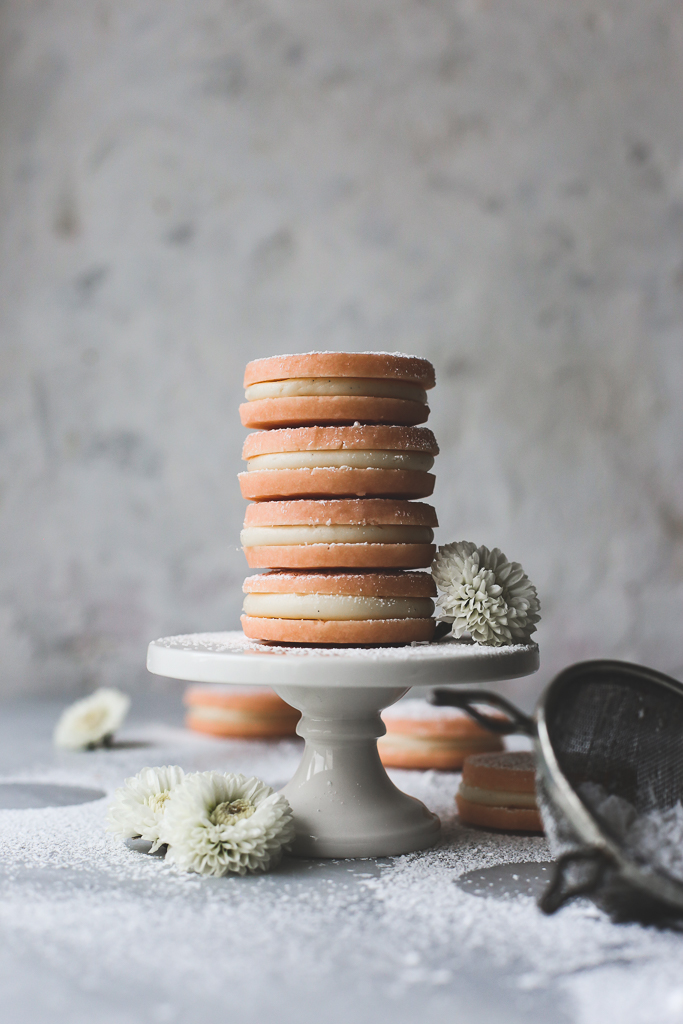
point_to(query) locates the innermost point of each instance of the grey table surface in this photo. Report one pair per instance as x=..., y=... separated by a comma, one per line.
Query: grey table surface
x=94, y=929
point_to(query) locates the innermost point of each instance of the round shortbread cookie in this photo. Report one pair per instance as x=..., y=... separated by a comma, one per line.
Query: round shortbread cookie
x=342, y=512
x=273, y=484
x=339, y=608
x=361, y=584
x=369, y=533
x=511, y=772
x=318, y=439
x=240, y=712
x=266, y=413
x=365, y=631
x=498, y=791
x=421, y=736
x=341, y=556
x=386, y=365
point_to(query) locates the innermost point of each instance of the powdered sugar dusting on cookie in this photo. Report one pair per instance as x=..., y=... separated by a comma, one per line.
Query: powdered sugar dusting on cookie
x=509, y=760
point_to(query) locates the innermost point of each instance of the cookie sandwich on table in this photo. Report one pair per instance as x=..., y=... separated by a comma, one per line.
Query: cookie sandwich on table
x=333, y=471
x=239, y=712
x=423, y=737
x=498, y=790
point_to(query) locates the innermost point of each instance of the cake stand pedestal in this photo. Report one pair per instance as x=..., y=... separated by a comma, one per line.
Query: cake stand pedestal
x=344, y=803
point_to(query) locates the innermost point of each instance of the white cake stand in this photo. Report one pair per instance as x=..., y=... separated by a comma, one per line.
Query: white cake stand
x=344, y=803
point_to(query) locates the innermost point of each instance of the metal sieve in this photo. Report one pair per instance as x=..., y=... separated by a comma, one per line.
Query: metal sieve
x=611, y=727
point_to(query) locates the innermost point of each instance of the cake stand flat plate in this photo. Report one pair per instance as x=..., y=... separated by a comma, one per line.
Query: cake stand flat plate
x=232, y=658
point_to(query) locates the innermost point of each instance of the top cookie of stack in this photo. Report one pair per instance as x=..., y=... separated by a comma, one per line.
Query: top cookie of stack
x=316, y=388
x=336, y=456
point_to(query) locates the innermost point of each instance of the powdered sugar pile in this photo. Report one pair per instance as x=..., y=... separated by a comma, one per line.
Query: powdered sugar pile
x=658, y=838
x=655, y=837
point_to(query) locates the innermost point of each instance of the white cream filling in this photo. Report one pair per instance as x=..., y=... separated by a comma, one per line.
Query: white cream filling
x=265, y=536
x=497, y=798
x=366, y=458
x=336, y=607
x=298, y=387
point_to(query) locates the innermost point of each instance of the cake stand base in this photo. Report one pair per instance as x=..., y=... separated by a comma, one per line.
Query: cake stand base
x=344, y=803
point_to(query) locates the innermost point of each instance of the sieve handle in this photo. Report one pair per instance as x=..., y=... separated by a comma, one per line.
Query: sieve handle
x=591, y=865
x=517, y=721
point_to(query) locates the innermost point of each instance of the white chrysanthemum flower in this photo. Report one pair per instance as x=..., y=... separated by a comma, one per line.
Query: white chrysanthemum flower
x=92, y=721
x=218, y=823
x=139, y=805
x=484, y=595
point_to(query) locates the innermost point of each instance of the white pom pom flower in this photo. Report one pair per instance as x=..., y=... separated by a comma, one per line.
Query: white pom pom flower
x=485, y=595
x=218, y=823
x=139, y=805
x=92, y=721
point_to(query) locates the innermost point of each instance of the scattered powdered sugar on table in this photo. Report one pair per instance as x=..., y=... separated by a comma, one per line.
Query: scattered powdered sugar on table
x=123, y=937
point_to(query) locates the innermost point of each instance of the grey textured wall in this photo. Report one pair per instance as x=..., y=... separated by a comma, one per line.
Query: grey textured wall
x=497, y=185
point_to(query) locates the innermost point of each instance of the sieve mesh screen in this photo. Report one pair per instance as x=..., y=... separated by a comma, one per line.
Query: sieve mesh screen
x=622, y=733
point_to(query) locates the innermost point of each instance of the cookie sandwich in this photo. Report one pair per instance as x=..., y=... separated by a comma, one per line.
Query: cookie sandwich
x=321, y=388
x=360, y=533
x=356, y=461
x=240, y=712
x=421, y=736
x=339, y=607
x=498, y=791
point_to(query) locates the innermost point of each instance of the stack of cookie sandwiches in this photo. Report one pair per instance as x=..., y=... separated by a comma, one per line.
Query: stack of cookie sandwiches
x=333, y=471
